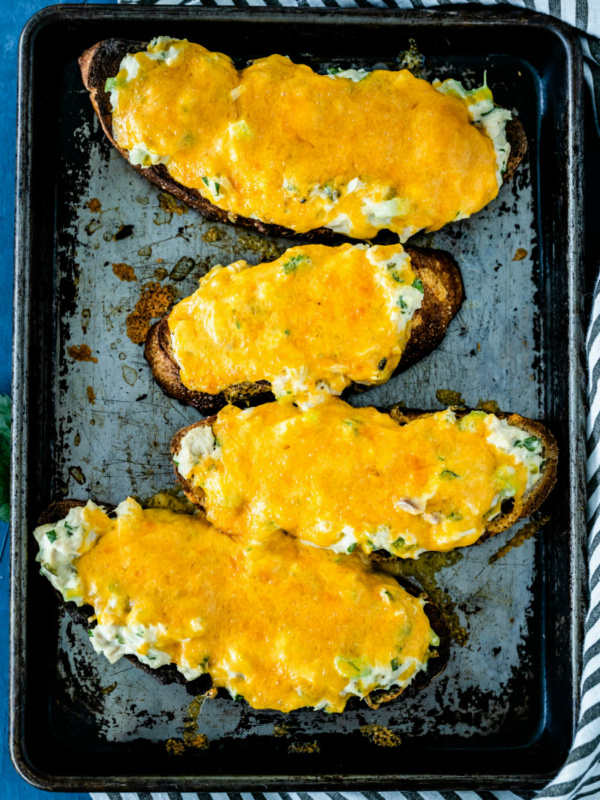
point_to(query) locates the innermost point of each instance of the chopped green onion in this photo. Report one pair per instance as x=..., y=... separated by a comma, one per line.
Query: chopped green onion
x=205, y=180
x=394, y=663
x=448, y=474
x=531, y=443
x=418, y=284
x=51, y=535
x=352, y=547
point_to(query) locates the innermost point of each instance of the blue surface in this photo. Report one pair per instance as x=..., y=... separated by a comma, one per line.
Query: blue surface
x=13, y=14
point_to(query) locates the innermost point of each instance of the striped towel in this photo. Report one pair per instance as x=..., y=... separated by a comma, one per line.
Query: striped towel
x=580, y=777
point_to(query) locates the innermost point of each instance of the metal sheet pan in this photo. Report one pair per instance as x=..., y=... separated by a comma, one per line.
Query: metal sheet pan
x=504, y=710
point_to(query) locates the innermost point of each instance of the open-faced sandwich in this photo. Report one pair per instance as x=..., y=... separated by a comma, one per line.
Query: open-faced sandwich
x=340, y=477
x=282, y=149
x=281, y=624
x=313, y=322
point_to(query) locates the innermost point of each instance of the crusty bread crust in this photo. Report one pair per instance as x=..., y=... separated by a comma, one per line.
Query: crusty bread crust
x=102, y=61
x=443, y=296
x=168, y=673
x=512, y=511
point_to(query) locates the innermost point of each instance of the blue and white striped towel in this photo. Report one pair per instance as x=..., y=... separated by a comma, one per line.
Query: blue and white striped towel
x=580, y=776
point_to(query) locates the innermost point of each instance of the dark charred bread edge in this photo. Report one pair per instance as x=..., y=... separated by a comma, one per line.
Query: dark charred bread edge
x=442, y=298
x=511, y=511
x=103, y=60
x=168, y=673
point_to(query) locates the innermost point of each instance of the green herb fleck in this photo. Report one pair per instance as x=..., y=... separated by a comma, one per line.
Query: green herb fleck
x=217, y=189
x=401, y=303
x=531, y=443
x=113, y=83
x=90, y=633
x=394, y=663
x=448, y=474
x=287, y=333
x=352, y=547
x=51, y=535
x=389, y=594
x=292, y=264
x=205, y=180
x=418, y=284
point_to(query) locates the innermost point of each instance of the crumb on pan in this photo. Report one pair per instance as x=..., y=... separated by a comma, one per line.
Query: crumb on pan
x=380, y=735
x=81, y=352
x=124, y=272
x=155, y=300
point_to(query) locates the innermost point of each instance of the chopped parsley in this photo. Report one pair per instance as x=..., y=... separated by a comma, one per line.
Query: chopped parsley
x=402, y=303
x=51, y=535
x=418, y=284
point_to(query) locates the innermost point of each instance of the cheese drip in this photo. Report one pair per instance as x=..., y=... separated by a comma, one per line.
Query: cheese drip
x=355, y=152
x=311, y=322
x=283, y=625
x=338, y=477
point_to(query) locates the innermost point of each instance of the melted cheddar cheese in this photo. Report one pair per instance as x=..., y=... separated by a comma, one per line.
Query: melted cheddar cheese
x=338, y=477
x=311, y=322
x=283, y=625
x=355, y=152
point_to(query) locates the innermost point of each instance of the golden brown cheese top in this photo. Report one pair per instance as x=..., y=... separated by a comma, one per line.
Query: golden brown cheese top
x=284, y=625
x=313, y=321
x=283, y=144
x=338, y=476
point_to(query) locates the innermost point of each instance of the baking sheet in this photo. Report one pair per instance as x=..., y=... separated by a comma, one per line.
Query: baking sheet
x=116, y=238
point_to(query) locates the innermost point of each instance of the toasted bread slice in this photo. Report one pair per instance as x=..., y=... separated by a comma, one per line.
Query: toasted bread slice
x=102, y=61
x=167, y=674
x=442, y=298
x=512, y=510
